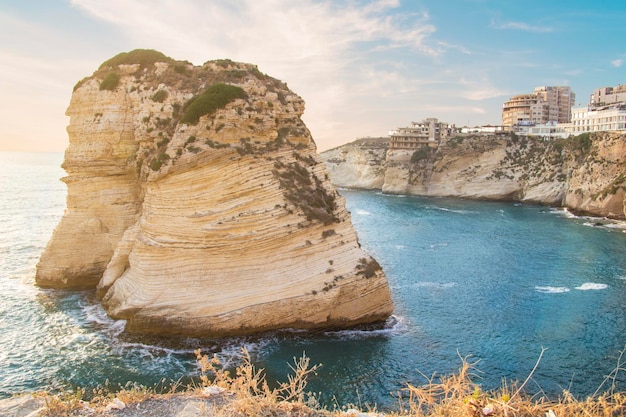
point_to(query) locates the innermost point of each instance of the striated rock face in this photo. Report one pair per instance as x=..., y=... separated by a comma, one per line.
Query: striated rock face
x=586, y=174
x=197, y=205
x=360, y=164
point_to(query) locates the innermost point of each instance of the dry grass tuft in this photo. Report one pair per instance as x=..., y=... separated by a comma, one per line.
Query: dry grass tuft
x=252, y=396
x=459, y=396
x=63, y=404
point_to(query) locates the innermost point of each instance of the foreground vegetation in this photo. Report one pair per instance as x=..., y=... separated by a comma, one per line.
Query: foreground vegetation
x=246, y=392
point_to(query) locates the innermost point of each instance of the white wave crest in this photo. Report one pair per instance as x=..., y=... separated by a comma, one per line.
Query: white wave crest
x=363, y=212
x=395, y=325
x=562, y=212
x=95, y=313
x=587, y=286
x=453, y=210
x=621, y=225
x=551, y=290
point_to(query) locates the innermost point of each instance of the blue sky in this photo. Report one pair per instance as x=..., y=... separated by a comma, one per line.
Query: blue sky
x=363, y=67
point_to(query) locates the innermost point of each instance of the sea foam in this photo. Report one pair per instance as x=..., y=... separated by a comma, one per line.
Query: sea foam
x=587, y=286
x=394, y=325
x=551, y=290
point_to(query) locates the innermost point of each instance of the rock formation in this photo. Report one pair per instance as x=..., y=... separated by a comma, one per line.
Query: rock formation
x=586, y=173
x=197, y=205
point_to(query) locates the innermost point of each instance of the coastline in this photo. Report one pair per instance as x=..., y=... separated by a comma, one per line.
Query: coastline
x=583, y=173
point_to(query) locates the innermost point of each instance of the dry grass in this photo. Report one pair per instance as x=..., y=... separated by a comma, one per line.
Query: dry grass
x=252, y=396
x=246, y=392
x=459, y=396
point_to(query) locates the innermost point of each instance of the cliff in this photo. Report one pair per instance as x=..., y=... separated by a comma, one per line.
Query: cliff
x=197, y=205
x=586, y=173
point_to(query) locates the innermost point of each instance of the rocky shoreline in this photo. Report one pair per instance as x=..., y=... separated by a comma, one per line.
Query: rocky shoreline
x=585, y=174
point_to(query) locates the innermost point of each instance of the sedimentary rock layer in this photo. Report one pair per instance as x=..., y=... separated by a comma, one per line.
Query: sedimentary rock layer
x=586, y=173
x=199, y=223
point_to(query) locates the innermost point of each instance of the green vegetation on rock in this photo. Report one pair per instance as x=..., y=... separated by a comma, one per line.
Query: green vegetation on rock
x=110, y=82
x=305, y=191
x=368, y=268
x=159, y=96
x=421, y=154
x=143, y=57
x=212, y=99
x=581, y=143
x=157, y=162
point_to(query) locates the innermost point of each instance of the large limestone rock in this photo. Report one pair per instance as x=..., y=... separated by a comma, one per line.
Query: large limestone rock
x=586, y=174
x=220, y=224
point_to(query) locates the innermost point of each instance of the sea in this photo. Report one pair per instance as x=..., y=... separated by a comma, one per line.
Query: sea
x=506, y=286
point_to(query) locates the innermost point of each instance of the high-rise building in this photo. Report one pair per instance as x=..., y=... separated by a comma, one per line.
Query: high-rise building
x=545, y=104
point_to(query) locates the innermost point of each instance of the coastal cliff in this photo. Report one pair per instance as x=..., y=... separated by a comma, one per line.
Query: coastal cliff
x=197, y=205
x=586, y=173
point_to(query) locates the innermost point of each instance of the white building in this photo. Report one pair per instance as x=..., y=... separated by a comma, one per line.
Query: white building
x=550, y=130
x=598, y=119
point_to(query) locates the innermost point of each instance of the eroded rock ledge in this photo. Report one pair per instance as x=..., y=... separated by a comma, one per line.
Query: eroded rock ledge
x=586, y=173
x=197, y=205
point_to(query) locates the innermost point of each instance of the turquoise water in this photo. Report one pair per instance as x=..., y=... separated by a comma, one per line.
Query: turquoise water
x=497, y=281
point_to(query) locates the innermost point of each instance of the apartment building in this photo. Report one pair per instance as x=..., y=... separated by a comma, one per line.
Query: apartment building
x=608, y=95
x=427, y=132
x=545, y=104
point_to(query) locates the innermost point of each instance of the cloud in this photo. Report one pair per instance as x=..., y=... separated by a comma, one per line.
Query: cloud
x=318, y=48
x=459, y=48
x=520, y=26
x=617, y=63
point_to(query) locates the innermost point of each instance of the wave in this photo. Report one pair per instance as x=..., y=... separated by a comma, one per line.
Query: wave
x=363, y=212
x=170, y=352
x=605, y=223
x=591, y=221
x=563, y=211
x=453, y=210
x=94, y=313
x=551, y=290
x=587, y=286
x=394, y=325
x=391, y=194
x=617, y=225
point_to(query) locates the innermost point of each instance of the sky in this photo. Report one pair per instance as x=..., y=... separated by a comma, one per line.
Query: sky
x=363, y=67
